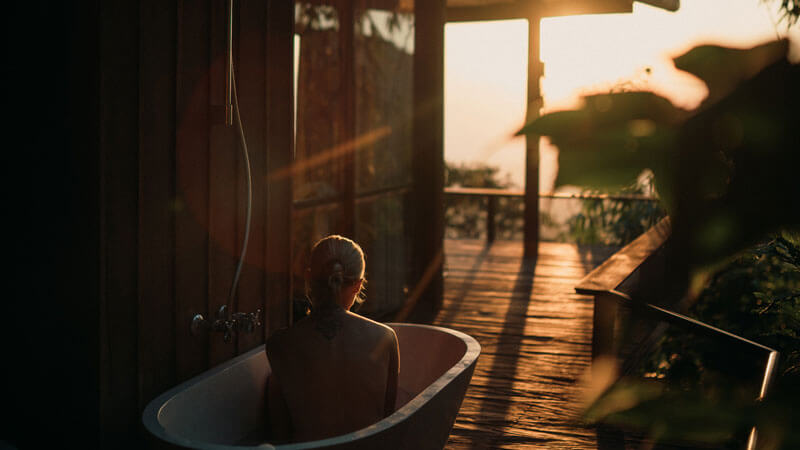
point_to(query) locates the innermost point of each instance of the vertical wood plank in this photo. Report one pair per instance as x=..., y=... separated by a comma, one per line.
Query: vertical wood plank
x=222, y=178
x=491, y=225
x=119, y=140
x=535, y=69
x=157, y=318
x=251, y=80
x=426, y=208
x=279, y=64
x=348, y=123
x=191, y=183
x=603, y=326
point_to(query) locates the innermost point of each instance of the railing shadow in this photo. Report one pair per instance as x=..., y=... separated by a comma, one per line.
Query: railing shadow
x=506, y=358
x=465, y=286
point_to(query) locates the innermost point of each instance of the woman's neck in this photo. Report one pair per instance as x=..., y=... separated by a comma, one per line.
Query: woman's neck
x=327, y=319
x=326, y=308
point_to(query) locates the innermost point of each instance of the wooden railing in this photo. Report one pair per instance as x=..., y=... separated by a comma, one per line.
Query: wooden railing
x=632, y=265
x=492, y=194
x=491, y=204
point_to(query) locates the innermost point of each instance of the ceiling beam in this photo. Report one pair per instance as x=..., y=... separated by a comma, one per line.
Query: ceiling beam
x=522, y=9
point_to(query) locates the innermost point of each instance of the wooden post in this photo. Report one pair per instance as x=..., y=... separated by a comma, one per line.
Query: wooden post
x=224, y=156
x=425, y=210
x=348, y=160
x=159, y=331
x=531, y=227
x=491, y=209
x=251, y=88
x=190, y=178
x=280, y=148
x=120, y=229
x=604, y=324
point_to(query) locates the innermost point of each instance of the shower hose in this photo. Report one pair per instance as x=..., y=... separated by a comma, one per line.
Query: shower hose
x=249, y=178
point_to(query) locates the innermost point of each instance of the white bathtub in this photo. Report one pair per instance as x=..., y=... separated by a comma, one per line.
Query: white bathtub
x=224, y=408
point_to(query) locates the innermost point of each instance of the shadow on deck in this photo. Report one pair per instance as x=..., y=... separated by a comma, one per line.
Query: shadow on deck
x=536, y=335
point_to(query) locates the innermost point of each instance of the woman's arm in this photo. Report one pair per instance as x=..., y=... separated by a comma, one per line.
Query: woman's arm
x=394, y=370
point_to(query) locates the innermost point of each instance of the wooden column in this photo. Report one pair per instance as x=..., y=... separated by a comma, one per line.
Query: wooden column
x=535, y=69
x=280, y=148
x=426, y=208
x=348, y=122
x=224, y=155
x=251, y=88
x=604, y=321
x=160, y=328
x=491, y=212
x=119, y=189
x=190, y=177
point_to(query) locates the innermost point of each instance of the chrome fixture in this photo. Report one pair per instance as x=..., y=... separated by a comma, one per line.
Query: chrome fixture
x=227, y=323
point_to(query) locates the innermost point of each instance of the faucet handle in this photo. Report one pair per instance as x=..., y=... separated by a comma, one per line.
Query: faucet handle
x=230, y=328
x=222, y=312
x=227, y=323
x=199, y=323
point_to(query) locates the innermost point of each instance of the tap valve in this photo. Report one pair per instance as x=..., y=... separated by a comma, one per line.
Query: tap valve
x=227, y=323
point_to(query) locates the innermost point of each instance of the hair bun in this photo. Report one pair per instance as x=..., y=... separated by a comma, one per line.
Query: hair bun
x=336, y=267
x=336, y=277
x=334, y=262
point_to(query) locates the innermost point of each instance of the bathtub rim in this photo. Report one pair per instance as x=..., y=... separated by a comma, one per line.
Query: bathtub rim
x=153, y=408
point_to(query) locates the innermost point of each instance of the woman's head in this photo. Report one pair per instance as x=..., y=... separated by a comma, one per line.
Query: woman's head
x=336, y=268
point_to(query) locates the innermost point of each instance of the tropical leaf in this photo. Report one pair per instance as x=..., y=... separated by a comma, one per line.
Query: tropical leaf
x=729, y=170
x=722, y=68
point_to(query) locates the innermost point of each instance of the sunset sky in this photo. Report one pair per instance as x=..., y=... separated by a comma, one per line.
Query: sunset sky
x=486, y=64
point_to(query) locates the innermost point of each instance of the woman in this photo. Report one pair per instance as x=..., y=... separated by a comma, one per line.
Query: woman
x=333, y=372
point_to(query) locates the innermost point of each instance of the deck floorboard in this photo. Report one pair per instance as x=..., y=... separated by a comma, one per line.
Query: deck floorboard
x=535, y=333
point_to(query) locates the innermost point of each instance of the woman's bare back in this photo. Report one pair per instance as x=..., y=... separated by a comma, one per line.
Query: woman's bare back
x=333, y=373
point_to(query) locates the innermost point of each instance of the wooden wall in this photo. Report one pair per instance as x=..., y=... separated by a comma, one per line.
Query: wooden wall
x=426, y=208
x=187, y=226
x=136, y=216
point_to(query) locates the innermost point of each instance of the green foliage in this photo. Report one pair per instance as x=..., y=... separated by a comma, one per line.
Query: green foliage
x=757, y=296
x=613, y=222
x=790, y=11
x=465, y=216
x=698, y=389
x=688, y=418
x=474, y=175
x=728, y=175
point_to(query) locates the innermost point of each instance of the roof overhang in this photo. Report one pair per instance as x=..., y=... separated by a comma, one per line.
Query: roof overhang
x=463, y=10
x=473, y=10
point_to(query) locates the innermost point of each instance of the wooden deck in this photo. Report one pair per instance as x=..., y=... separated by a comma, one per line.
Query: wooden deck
x=535, y=333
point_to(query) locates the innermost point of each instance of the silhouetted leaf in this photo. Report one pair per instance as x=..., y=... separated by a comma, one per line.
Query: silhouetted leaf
x=728, y=173
x=722, y=68
x=609, y=141
x=560, y=123
x=753, y=132
x=604, y=110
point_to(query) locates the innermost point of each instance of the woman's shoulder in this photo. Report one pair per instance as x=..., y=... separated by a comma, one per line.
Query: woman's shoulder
x=373, y=327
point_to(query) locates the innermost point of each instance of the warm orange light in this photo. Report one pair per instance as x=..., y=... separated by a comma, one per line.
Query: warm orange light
x=485, y=93
x=486, y=66
x=617, y=52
